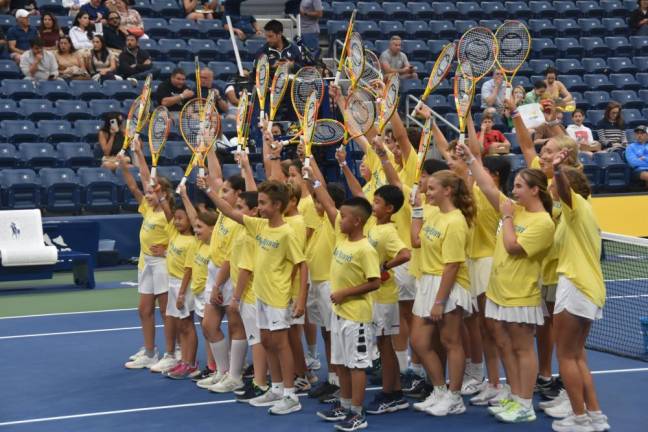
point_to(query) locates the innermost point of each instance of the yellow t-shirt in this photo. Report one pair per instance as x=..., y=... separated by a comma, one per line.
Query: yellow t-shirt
x=277, y=252
x=152, y=232
x=306, y=208
x=403, y=218
x=319, y=248
x=378, y=178
x=353, y=264
x=550, y=263
x=221, y=239
x=387, y=243
x=198, y=259
x=484, y=229
x=241, y=257
x=444, y=240
x=514, y=279
x=297, y=223
x=179, y=246
x=407, y=173
x=415, y=260
x=579, y=256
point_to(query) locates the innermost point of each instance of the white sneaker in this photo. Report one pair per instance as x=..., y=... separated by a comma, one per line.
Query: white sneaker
x=287, y=405
x=142, y=362
x=167, y=362
x=211, y=380
x=562, y=410
x=433, y=398
x=562, y=396
x=137, y=354
x=227, y=384
x=313, y=363
x=487, y=393
x=268, y=398
x=471, y=386
x=573, y=423
x=450, y=403
x=599, y=421
x=504, y=393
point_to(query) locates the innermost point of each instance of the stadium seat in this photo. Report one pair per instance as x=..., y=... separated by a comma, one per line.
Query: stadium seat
x=223, y=70
x=542, y=9
x=53, y=6
x=494, y=10
x=515, y=146
x=100, y=189
x=416, y=49
x=543, y=48
x=565, y=66
x=593, y=117
x=37, y=109
x=574, y=83
x=370, y=11
x=615, y=173
x=614, y=8
x=633, y=118
x=643, y=95
x=143, y=7
x=446, y=10
x=598, y=82
x=411, y=86
x=37, y=155
x=624, y=81
x=55, y=131
x=591, y=170
x=627, y=98
x=151, y=47
x=254, y=46
x=542, y=28
x=120, y=89
x=21, y=187
x=596, y=65
x=594, y=46
x=73, y=110
x=76, y=154
x=88, y=129
x=9, y=110
x=396, y=10
x=87, y=90
x=518, y=9
x=439, y=104
x=19, y=130
x=9, y=157
x=566, y=9
x=567, y=27
x=417, y=30
x=639, y=44
x=539, y=66
x=619, y=45
x=591, y=27
x=167, y=8
x=392, y=28
x=212, y=29
x=641, y=64
x=522, y=81
x=99, y=107
x=491, y=24
x=621, y=65
x=54, y=90
x=568, y=47
x=615, y=26
x=183, y=28
x=177, y=153
x=173, y=173
x=17, y=89
x=202, y=47
x=470, y=10
x=421, y=10
x=9, y=70
x=443, y=29
x=463, y=26
x=175, y=49
x=597, y=99
x=342, y=9
x=127, y=199
x=590, y=8
x=157, y=28
x=368, y=29
x=62, y=190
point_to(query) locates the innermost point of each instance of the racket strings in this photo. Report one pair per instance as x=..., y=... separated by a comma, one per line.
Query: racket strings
x=306, y=81
x=278, y=88
x=514, y=43
x=442, y=65
x=372, y=67
x=362, y=109
x=478, y=47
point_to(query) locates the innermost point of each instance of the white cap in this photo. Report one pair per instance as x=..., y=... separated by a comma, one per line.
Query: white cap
x=22, y=13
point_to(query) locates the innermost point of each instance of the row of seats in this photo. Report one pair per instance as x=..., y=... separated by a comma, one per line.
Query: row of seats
x=161, y=8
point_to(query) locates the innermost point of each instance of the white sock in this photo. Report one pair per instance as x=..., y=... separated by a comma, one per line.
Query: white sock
x=402, y=360
x=418, y=369
x=220, y=350
x=290, y=392
x=237, y=356
x=332, y=378
x=345, y=403
x=375, y=355
x=477, y=371
x=356, y=409
x=440, y=389
x=526, y=403
x=277, y=388
x=312, y=351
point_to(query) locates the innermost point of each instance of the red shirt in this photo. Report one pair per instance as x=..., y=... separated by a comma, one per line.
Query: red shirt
x=494, y=136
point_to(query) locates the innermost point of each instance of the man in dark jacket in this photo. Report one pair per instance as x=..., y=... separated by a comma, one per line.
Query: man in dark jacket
x=114, y=35
x=277, y=47
x=133, y=61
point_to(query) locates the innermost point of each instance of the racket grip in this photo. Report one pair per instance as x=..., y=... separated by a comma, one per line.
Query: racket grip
x=182, y=183
x=338, y=75
x=419, y=104
x=306, y=165
x=122, y=152
x=201, y=172
x=270, y=125
x=153, y=175
x=508, y=92
x=462, y=138
x=413, y=193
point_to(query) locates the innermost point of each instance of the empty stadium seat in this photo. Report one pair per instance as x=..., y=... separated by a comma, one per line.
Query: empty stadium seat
x=494, y=9
x=592, y=117
x=167, y=8
x=54, y=90
x=87, y=90
x=624, y=81
x=9, y=157
x=62, y=190
x=101, y=189
x=421, y=10
x=566, y=9
x=597, y=99
x=73, y=110
x=212, y=29
x=19, y=130
x=76, y=154
x=568, y=47
x=175, y=49
x=443, y=29
x=614, y=8
x=202, y=47
x=565, y=66
x=543, y=48
x=368, y=29
x=177, y=153
x=9, y=110
x=396, y=10
x=21, y=188
x=88, y=129
x=37, y=155
x=615, y=173
x=595, y=65
x=542, y=28
x=464, y=25
x=567, y=27
x=151, y=47
x=639, y=44
x=615, y=26
x=619, y=45
x=417, y=30
x=633, y=118
x=37, y=109
x=370, y=11
x=342, y=9
x=539, y=66
x=184, y=28
x=594, y=46
x=9, y=70
x=99, y=107
x=542, y=9
x=173, y=173
x=55, y=131
x=598, y=82
x=120, y=89
x=17, y=89
x=416, y=49
x=446, y=10
x=573, y=82
x=391, y=28
x=621, y=65
x=470, y=10
x=157, y=27
x=590, y=8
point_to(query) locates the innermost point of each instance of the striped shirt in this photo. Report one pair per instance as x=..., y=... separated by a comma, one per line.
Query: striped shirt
x=609, y=135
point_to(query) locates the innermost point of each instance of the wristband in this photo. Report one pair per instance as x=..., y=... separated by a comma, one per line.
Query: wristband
x=417, y=213
x=208, y=190
x=507, y=217
x=317, y=184
x=471, y=160
x=440, y=302
x=553, y=123
x=343, y=164
x=162, y=199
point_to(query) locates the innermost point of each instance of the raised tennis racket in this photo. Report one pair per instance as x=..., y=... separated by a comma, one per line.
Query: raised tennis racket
x=477, y=48
x=198, y=81
x=424, y=145
x=308, y=127
x=464, y=90
x=138, y=114
x=388, y=102
x=241, y=120
x=359, y=114
x=278, y=88
x=347, y=38
x=158, y=132
x=306, y=81
x=327, y=132
x=440, y=70
x=262, y=80
x=372, y=70
x=514, y=43
x=355, y=60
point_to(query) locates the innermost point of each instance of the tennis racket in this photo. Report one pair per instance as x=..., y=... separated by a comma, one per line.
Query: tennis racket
x=278, y=88
x=137, y=114
x=308, y=127
x=464, y=90
x=338, y=73
x=306, y=81
x=241, y=120
x=198, y=82
x=158, y=132
x=372, y=71
x=355, y=60
x=477, y=48
x=359, y=114
x=440, y=70
x=327, y=132
x=388, y=102
x=514, y=43
x=424, y=145
x=262, y=79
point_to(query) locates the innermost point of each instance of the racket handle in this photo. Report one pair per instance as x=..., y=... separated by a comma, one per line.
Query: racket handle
x=418, y=106
x=201, y=172
x=153, y=175
x=283, y=143
x=261, y=117
x=122, y=152
x=182, y=183
x=306, y=165
x=338, y=75
x=413, y=193
x=270, y=125
x=508, y=92
x=462, y=138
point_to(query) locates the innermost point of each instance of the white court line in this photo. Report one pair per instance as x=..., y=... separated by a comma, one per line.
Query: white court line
x=67, y=313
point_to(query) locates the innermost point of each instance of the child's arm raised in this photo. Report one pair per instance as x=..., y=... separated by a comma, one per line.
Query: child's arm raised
x=246, y=172
x=351, y=180
x=145, y=174
x=192, y=214
x=483, y=179
x=214, y=165
x=322, y=196
x=222, y=205
x=131, y=183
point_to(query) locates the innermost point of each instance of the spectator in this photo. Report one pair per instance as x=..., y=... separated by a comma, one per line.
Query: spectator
x=131, y=20
x=518, y=98
x=74, y=6
x=277, y=47
x=207, y=81
x=493, y=93
x=71, y=65
x=277, y=130
x=20, y=36
x=134, y=63
x=101, y=63
x=49, y=31
x=550, y=129
x=81, y=32
x=114, y=34
x=393, y=60
x=242, y=25
x=111, y=140
x=637, y=154
x=4, y=7
x=173, y=93
x=491, y=140
x=582, y=134
x=311, y=11
x=96, y=10
x=38, y=64
x=28, y=5
x=610, y=130
x=638, y=21
x=537, y=94
x=198, y=10
x=4, y=53
x=555, y=89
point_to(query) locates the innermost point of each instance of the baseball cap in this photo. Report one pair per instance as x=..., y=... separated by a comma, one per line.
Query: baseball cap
x=22, y=13
x=641, y=128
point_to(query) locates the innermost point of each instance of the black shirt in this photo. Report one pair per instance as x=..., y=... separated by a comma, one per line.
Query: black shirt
x=114, y=38
x=166, y=89
x=128, y=58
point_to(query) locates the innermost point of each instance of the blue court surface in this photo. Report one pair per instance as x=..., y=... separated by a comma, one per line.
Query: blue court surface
x=64, y=372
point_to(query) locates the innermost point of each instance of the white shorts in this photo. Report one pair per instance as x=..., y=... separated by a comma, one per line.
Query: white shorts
x=514, y=314
x=199, y=302
x=405, y=282
x=249, y=318
x=153, y=277
x=427, y=292
x=548, y=293
x=479, y=270
x=351, y=343
x=571, y=299
x=296, y=321
x=319, y=305
x=386, y=319
x=174, y=290
x=272, y=318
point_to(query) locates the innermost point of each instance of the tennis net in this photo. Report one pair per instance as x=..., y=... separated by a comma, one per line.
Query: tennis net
x=624, y=327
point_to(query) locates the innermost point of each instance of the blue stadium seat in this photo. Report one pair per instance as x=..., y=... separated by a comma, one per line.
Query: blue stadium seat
x=212, y=29
x=226, y=52
x=518, y=9
x=167, y=8
x=542, y=9
x=396, y=10
x=202, y=47
x=591, y=27
x=62, y=190
x=21, y=187
x=157, y=27
x=569, y=66
x=254, y=45
x=615, y=26
x=566, y=9
x=633, y=118
x=597, y=99
x=538, y=66
x=567, y=27
x=411, y=86
x=445, y=10
x=515, y=145
x=172, y=173
x=614, y=8
x=598, y=82
x=87, y=90
x=120, y=89
x=616, y=173
x=627, y=98
x=596, y=65
x=151, y=46
x=494, y=9
x=223, y=70
x=370, y=11
x=9, y=70
x=543, y=48
x=639, y=44
x=443, y=29
x=175, y=49
x=53, y=6
x=143, y=7
x=421, y=10
x=9, y=110
x=229, y=127
x=38, y=109
x=9, y=157
x=619, y=45
x=641, y=64
x=574, y=83
x=177, y=153
x=416, y=49
x=368, y=29
x=73, y=110
x=54, y=90
x=625, y=81
x=165, y=68
x=37, y=155
x=593, y=117
x=541, y=28
x=184, y=28
x=439, y=104
x=590, y=8
x=17, y=89
x=522, y=81
x=55, y=131
x=417, y=30
x=591, y=170
x=392, y=28
x=76, y=154
x=568, y=47
x=642, y=77
x=342, y=9
x=19, y=130
x=464, y=25
x=100, y=189
x=491, y=24
x=99, y=107
x=470, y=10
x=594, y=46
x=643, y=95
x=621, y=65
x=126, y=198
x=580, y=100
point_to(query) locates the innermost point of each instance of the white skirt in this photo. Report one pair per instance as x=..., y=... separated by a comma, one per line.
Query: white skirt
x=514, y=314
x=571, y=299
x=426, y=293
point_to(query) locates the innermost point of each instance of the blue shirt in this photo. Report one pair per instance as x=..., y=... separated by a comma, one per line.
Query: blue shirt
x=23, y=38
x=93, y=11
x=634, y=152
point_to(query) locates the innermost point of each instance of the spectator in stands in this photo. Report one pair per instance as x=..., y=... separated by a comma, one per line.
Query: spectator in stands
x=243, y=25
x=393, y=60
x=518, y=98
x=134, y=62
x=111, y=140
x=101, y=63
x=537, y=94
x=74, y=6
x=638, y=20
x=173, y=93
x=637, y=153
x=96, y=10
x=114, y=34
x=493, y=93
x=610, y=130
x=197, y=10
x=4, y=7
x=555, y=89
x=71, y=65
x=582, y=134
x=38, y=64
x=207, y=81
x=28, y=5
x=311, y=11
x=277, y=47
x=545, y=132
x=20, y=36
x=131, y=20
x=81, y=32
x=49, y=31
x=491, y=140
x=4, y=53
x=277, y=130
